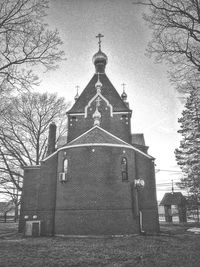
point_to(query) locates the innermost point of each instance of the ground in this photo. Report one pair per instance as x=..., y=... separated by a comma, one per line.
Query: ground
x=173, y=247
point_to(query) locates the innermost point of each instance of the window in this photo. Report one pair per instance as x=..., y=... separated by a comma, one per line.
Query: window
x=124, y=169
x=65, y=165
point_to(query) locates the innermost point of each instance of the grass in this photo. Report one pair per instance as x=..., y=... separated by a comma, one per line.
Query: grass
x=174, y=247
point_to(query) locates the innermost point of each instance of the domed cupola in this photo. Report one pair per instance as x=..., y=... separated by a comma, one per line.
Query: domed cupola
x=100, y=59
x=77, y=94
x=124, y=94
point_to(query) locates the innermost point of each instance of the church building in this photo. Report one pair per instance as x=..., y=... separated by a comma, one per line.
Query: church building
x=102, y=180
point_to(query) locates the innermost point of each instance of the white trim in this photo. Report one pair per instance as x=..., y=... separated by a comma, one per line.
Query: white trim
x=112, y=135
x=84, y=133
x=113, y=112
x=126, y=145
x=76, y=114
x=94, y=97
x=31, y=167
x=103, y=130
x=99, y=144
x=121, y=112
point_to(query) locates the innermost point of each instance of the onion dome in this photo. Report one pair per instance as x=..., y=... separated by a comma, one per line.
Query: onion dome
x=76, y=97
x=100, y=60
x=124, y=96
x=77, y=94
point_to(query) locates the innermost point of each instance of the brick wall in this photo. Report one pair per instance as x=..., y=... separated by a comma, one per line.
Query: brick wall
x=147, y=195
x=119, y=124
x=38, y=195
x=29, y=195
x=94, y=200
x=47, y=194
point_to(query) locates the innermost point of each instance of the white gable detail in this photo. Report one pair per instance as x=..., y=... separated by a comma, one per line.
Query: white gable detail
x=103, y=98
x=121, y=112
x=123, y=145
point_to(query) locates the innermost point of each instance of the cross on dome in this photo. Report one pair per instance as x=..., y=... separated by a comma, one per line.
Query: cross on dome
x=124, y=95
x=100, y=59
x=77, y=88
x=123, y=86
x=99, y=42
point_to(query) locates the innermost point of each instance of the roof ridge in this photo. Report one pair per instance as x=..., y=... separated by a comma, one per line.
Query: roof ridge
x=101, y=129
x=111, y=94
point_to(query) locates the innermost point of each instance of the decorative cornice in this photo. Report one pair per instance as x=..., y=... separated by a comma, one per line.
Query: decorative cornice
x=31, y=167
x=102, y=97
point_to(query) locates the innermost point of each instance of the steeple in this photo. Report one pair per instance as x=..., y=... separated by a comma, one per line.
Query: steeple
x=100, y=104
x=100, y=59
x=124, y=95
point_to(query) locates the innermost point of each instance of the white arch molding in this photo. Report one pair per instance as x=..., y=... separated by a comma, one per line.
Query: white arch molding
x=93, y=99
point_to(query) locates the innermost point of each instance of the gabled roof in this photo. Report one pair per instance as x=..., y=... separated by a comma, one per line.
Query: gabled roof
x=97, y=135
x=175, y=198
x=108, y=91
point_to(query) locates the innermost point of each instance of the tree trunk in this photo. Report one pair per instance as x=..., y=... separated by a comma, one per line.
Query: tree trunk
x=5, y=217
x=16, y=213
x=197, y=213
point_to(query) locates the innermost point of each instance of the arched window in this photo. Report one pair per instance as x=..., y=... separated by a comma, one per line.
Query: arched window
x=65, y=165
x=124, y=169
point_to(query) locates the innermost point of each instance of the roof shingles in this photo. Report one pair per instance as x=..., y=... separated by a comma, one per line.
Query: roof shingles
x=108, y=91
x=175, y=198
x=98, y=136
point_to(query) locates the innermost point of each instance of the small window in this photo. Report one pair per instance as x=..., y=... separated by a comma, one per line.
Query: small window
x=124, y=169
x=124, y=176
x=65, y=165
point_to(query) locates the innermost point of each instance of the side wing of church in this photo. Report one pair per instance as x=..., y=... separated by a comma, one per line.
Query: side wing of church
x=102, y=180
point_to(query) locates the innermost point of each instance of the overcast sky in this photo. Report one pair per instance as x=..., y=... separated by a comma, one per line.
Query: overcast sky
x=153, y=100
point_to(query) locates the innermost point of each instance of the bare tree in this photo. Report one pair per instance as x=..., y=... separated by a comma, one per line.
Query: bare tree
x=23, y=135
x=5, y=208
x=25, y=41
x=175, y=26
x=12, y=194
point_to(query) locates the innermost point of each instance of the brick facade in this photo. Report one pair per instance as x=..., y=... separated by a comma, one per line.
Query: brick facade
x=102, y=164
x=94, y=192
x=29, y=200
x=119, y=124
